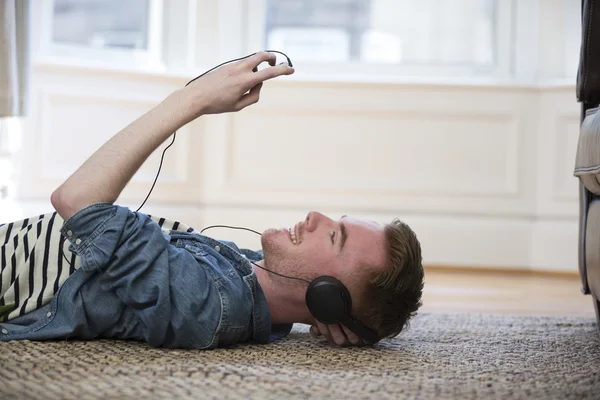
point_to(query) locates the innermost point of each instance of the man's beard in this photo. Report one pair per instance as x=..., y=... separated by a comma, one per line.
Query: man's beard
x=286, y=265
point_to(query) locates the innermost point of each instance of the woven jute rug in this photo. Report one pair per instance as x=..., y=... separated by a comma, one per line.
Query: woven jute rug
x=462, y=356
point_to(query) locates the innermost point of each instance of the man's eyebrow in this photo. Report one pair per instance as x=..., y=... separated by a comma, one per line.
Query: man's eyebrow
x=344, y=235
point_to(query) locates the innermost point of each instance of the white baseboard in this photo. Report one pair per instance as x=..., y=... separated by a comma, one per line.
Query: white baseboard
x=554, y=245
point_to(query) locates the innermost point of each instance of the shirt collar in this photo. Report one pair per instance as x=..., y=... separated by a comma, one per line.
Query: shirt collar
x=263, y=331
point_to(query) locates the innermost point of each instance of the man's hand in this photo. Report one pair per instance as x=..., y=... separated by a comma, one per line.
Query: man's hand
x=336, y=334
x=234, y=86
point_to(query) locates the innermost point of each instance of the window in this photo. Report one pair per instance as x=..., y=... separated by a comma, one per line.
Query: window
x=123, y=32
x=101, y=23
x=442, y=37
x=384, y=31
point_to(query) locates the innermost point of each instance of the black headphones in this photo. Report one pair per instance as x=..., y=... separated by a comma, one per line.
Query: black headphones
x=329, y=301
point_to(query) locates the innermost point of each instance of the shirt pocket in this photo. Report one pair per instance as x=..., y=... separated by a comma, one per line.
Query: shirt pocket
x=220, y=268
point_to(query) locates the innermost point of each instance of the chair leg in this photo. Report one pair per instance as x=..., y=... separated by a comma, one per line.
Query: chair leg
x=597, y=308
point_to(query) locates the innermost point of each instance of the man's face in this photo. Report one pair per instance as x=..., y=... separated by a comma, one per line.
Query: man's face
x=320, y=246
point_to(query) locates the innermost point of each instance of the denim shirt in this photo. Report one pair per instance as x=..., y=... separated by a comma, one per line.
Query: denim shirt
x=170, y=289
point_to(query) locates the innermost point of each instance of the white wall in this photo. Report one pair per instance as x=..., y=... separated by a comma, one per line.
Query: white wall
x=482, y=172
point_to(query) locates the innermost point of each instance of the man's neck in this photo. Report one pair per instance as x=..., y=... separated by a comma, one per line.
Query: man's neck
x=286, y=305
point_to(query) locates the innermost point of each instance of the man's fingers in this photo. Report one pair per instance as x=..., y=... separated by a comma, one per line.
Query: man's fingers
x=249, y=98
x=352, y=337
x=324, y=329
x=338, y=335
x=314, y=331
x=272, y=72
x=256, y=89
x=260, y=57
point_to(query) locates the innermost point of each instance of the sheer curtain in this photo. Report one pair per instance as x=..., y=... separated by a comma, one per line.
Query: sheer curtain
x=14, y=80
x=14, y=57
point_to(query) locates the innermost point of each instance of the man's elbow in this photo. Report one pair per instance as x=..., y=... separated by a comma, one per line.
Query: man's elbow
x=62, y=204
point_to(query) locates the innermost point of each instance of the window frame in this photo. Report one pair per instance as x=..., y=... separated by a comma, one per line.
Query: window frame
x=255, y=21
x=149, y=59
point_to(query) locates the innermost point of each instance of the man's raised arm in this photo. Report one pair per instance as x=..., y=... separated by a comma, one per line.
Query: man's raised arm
x=105, y=174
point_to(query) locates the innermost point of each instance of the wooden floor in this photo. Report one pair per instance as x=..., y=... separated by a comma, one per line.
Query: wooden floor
x=463, y=290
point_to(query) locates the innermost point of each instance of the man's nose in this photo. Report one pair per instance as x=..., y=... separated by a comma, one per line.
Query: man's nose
x=313, y=219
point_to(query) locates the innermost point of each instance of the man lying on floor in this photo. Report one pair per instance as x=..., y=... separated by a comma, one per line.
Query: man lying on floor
x=94, y=269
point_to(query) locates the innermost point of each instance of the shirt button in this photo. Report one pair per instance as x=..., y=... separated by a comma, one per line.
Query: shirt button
x=69, y=233
x=49, y=314
x=5, y=331
x=78, y=241
x=218, y=248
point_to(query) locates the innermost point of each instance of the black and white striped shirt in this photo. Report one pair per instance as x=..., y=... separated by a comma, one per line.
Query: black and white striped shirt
x=35, y=261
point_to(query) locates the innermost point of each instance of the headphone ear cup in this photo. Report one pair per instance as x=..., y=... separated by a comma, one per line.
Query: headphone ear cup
x=328, y=300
